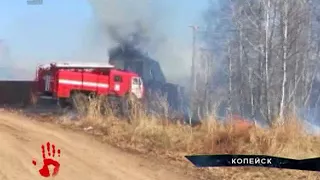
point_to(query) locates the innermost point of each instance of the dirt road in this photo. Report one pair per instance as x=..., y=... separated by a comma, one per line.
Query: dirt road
x=82, y=157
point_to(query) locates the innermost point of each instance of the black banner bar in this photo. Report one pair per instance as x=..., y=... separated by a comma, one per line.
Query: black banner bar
x=312, y=164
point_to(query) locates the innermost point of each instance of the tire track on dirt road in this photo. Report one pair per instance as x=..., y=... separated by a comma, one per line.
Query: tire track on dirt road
x=82, y=157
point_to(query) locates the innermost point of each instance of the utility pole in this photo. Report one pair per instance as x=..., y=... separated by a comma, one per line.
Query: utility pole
x=193, y=71
x=193, y=68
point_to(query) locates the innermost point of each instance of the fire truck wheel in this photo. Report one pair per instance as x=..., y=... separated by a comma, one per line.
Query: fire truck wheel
x=79, y=101
x=63, y=103
x=127, y=103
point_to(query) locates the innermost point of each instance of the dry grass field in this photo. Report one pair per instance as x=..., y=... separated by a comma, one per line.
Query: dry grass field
x=155, y=138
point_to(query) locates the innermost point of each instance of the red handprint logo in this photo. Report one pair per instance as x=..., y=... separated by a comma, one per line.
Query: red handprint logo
x=47, y=161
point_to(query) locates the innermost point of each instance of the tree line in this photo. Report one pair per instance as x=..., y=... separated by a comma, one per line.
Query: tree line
x=265, y=61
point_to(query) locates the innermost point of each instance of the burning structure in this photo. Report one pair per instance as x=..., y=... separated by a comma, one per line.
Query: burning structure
x=128, y=57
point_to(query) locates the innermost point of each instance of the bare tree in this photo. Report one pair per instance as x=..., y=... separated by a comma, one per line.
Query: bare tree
x=271, y=55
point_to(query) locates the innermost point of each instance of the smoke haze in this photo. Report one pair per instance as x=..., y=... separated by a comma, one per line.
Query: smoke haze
x=118, y=21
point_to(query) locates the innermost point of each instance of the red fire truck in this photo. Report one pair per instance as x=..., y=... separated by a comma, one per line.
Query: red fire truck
x=61, y=81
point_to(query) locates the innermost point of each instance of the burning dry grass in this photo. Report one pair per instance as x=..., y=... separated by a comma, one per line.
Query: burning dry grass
x=149, y=135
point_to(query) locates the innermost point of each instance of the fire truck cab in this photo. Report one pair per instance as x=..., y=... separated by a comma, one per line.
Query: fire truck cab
x=60, y=81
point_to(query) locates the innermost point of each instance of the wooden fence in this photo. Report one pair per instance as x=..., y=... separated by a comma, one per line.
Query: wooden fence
x=15, y=92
